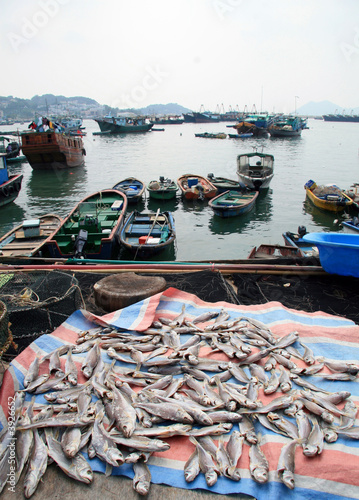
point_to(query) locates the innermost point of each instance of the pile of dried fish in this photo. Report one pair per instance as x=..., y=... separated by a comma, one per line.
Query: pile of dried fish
x=158, y=386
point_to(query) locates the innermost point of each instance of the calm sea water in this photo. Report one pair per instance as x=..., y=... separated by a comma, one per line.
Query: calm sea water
x=326, y=153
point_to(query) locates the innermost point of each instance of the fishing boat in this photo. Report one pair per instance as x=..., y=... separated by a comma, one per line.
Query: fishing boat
x=351, y=225
x=167, y=120
x=28, y=238
x=91, y=229
x=163, y=189
x=268, y=251
x=224, y=184
x=10, y=185
x=11, y=149
x=353, y=193
x=133, y=189
x=330, y=197
x=146, y=234
x=123, y=124
x=295, y=240
x=338, y=252
x=52, y=150
x=196, y=187
x=241, y=135
x=255, y=170
x=233, y=203
x=286, y=126
x=208, y=135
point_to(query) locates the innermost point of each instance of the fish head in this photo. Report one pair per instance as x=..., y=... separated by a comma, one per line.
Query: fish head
x=211, y=477
x=30, y=484
x=327, y=417
x=86, y=475
x=231, y=406
x=234, y=474
x=330, y=435
x=310, y=451
x=288, y=479
x=260, y=474
x=190, y=475
x=142, y=487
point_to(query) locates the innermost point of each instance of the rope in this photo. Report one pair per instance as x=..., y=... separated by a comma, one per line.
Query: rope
x=24, y=297
x=8, y=343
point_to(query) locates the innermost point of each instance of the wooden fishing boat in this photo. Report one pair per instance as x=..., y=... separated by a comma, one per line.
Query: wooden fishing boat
x=223, y=184
x=233, y=203
x=255, y=169
x=268, y=251
x=295, y=240
x=132, y=188
x=196, y=187
x=338, y=252
x=10, y=185
x=52, y=150
x=146, y=234
x=208, y=135
x=123, y=124
x=28, y=238
x=241, y=135
x=163, y=189
x=91, y=229
x=287, y=126
x=329, y=198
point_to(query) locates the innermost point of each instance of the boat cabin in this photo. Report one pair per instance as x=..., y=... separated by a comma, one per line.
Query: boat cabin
x=255, y=164
x=4, y=176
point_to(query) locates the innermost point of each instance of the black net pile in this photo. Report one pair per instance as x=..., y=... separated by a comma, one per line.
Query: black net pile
x=338, y=295
x=37, y=302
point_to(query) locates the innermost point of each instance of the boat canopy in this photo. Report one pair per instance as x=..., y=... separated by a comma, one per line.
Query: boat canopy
x=255, y=159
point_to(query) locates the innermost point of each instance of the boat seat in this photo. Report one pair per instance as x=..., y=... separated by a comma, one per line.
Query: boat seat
x=142, y=231
x=108, y=224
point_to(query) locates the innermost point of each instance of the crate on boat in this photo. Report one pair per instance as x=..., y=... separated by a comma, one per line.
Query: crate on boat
x=117, y=205
x=150, y=240
x=31, y=228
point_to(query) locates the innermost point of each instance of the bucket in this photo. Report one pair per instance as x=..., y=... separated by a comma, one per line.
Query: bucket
x=310, y=185
x=192, y=182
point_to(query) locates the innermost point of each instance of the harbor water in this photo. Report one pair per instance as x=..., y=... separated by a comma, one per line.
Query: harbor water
x=327, y=153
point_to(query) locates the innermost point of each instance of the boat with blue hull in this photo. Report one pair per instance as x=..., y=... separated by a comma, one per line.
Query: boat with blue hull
x=233, y=203
x=133, y=189
x=91, y=229
x=10, y=185
x=146, y=234
x=351, y=226
x=295, y=240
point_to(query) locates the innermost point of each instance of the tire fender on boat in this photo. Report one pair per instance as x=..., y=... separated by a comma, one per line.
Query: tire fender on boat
x=5, y=191
x=11, y=190
x=17, y=186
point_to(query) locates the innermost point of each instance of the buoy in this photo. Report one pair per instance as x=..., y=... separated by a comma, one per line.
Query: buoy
x=121, y=290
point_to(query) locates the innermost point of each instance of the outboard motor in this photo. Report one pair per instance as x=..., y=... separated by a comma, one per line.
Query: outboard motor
x=200, y=192
x=162, y=178
x=80, y=243
x=302, y=230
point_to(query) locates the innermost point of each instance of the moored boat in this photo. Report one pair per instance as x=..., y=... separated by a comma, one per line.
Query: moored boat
x=196, y=187
x=123, y=124
x=91, y=229
x=233, y=203
x=255, y=170
x=10, y=185
x=208, y=135
x=295, y=240
x=330, y=197
x=28, y=238
x=351, y=225
x=287, y=126
x=52, y=150
x=148, y=233
x=133, y=189
x=163, y=189
x=224, y=184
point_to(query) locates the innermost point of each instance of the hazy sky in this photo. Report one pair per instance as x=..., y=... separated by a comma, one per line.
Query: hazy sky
x=272, y=53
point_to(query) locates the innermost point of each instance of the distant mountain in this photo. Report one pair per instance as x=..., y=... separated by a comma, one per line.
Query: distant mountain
x=324, y=108
x=160, y=109
x=50, y=99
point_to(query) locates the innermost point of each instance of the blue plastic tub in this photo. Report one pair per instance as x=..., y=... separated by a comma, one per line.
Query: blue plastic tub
x=192, y=182
x=338, y=252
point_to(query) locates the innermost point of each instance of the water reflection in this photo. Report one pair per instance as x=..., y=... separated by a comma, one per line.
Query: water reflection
x=10, y=216
x=322, y=218
x=57, y=183
x=163, y=205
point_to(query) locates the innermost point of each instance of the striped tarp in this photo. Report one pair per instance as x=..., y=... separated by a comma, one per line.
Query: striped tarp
x=331, y=475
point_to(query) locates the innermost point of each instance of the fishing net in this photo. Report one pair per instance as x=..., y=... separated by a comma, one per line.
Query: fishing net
x=336, y=295
x=37, y=302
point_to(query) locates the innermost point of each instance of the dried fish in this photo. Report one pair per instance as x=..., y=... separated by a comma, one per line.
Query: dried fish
x=142, y=478
x=285, y=468
x=258, y=464
x=37, y=465
x=206, y=464
x=191, y=467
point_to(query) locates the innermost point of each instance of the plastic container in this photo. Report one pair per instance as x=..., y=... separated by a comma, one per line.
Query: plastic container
x=192, y=182
x=338, y=252
x=310, y=185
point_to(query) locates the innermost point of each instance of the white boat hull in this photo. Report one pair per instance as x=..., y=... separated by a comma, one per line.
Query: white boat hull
x=255, y=182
